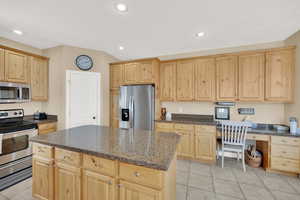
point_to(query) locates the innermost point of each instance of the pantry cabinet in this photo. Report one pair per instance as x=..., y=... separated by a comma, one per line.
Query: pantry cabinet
x=227, y=76
x=280, y=75
x=2, y=67
x=114, y=108
x=39, y=79
x=116, y=76
x=168, y=81
x=185, y=80
x=16, y=67
x=205, y=79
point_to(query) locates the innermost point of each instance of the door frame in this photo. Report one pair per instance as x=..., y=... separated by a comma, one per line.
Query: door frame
x=67, y=92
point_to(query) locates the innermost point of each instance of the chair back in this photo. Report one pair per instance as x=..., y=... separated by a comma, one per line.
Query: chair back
x=234, y=133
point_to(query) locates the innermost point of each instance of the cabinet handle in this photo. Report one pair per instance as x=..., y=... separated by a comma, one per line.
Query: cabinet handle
x=109, y=182
x=120, y=185
x=137, y=174
x=40, y=149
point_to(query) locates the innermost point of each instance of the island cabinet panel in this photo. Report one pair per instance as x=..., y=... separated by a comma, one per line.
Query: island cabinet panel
x=101, y=165
x=227, y=84
x=168, y=81
x=251, y=77
x=205, y=80
x=2, y=67
x=185, y=80
x=97, y=186
x=186, y=145
x=280, y=75
x=131, y=191
x=16, y=67
x=116, y=76
x=131, y=73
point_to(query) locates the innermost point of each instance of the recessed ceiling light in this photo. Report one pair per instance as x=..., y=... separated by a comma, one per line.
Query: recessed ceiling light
x=18, y=32
x=200, y=34
x=121, y=7
x=121, y=48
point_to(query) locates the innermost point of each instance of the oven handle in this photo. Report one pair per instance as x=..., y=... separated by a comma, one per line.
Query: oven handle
x=30, y=133
x=1, y=141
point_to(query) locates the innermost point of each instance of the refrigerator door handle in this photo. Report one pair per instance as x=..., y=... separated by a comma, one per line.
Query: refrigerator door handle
x=133, y=112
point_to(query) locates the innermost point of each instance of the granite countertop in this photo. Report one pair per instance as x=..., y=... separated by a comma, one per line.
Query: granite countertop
x=138, y=147
x=50, y=119
x=191, y=119
x=201, y=122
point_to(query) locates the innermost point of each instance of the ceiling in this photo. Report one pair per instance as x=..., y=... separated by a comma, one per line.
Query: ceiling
x=150, y=28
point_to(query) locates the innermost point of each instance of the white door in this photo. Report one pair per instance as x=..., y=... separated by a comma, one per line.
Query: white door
x=82, y=98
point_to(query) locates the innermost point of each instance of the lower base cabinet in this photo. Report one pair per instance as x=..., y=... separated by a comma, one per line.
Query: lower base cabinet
x=205, y=144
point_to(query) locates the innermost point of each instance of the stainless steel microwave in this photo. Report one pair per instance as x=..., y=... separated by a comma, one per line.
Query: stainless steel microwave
x=14, y=92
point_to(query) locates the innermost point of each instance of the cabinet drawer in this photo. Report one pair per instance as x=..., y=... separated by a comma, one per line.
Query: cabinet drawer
x=284, y=164
x=285, y=140
x=142, y=175
x=101, y=165
x=67, y=157
x=47, y=128
x=206, y=129
x=43, y=151
x=165, y=126
x=285, y=151
x=258, y=137
x=184, y=127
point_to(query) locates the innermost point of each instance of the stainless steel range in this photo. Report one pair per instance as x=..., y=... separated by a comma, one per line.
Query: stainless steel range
x=15, y=147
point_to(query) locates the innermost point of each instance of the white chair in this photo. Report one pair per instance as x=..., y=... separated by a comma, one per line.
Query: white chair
x=233, y=139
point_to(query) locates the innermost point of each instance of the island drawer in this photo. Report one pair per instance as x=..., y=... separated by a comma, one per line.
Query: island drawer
x=101, y=165
x=284, y=164
x=285, y=151
x=142, y=175
x=67, y=157
x=184, y=127
x=206, y=129
x=43, y=151
x=164, y=126
x=285, y=140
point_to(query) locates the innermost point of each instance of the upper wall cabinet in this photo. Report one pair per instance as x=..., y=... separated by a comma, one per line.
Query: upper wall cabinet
x=227, y=68
x=147, y=72
x=205, y=79
x=185, y=80
x=2, y=67
x=251, y=77
x=168, y=81
x=116, y=76
x=39, y=79
x=131, y=73
x=16, y=67
x=280, y=75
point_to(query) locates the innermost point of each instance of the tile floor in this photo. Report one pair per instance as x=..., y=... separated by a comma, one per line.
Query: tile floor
x=209, y=182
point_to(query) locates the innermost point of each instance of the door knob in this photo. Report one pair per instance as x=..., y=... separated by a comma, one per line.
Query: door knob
x=94, y=117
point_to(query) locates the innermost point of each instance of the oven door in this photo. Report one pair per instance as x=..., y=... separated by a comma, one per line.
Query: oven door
x=16, y=145
x=9, y=93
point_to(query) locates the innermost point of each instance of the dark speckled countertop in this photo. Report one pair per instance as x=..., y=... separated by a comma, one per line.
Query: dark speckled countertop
x=50, y=119
x=138, y=147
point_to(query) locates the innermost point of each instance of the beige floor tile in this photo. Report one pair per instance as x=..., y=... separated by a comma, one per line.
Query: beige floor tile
x=223, y=197
x=225, y=173
x=199, y=168
x=294, y=182
x=277, y=183
x=183, y=165
x=228, y=188
x=25, y=195
x=182, y=177
x=197, y=194
x=3, y=197
x=16, y=189
x=181, y=192
x=201, y=182
x=252, y=192
x=248, y=177
x=285, y=196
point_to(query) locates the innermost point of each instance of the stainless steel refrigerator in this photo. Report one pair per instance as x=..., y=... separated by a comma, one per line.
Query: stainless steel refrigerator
x=137, y=106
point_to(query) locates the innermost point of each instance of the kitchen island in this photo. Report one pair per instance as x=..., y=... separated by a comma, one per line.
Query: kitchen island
x=96, y=162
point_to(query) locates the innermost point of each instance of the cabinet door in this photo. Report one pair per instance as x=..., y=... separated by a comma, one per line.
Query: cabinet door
x=39, y=79
x=67, y=182
x=116, y=76
x=205, y=148
x=42, y=179
x=130, y=191
x=226, y=78
x=131, y=73
x=251, y=77
x=205, y=80
x=185, y=80
x=168, y=81
x=16, y=68
x=280, y=76
x=114, y=108
x=146, y=72
x=186, y=145
x=96, y=186
x=2, y=68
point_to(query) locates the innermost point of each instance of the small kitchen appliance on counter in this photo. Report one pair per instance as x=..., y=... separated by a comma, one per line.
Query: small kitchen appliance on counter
x=40, y=116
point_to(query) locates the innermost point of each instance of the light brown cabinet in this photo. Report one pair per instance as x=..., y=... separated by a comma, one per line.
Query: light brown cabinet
x=205, y=143
x=45, y=128
x=280, y=75
x=227, y=84
x=114, y=108
x=2, y=66
x=147, y=73
x=186, y=145
x=205, y=79
x=39, y=79
x=185, y=80
x=251, y=77
x=131, y=73
x=16, y=67
x=116, y=76
x=168, y=81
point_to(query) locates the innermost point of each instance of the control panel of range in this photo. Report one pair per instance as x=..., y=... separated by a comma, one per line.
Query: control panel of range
x=13, y=113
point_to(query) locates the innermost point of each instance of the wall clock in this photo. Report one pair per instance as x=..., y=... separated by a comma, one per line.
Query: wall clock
x=84, y=62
